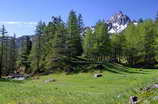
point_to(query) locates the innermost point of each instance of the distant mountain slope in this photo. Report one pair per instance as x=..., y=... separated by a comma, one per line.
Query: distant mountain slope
x=19, y=40
x=118, y=22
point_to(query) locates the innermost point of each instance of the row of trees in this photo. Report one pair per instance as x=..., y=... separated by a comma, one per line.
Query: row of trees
x=59, y=46
x=8, y=53
x=137, y=45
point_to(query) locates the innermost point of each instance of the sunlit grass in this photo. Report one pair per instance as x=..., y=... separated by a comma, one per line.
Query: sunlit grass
x=83, y=88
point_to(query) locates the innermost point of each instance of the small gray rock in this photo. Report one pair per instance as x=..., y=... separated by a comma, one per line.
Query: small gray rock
x=154, y=86
x=98, y=75
x=49, y=80
x=19, y=78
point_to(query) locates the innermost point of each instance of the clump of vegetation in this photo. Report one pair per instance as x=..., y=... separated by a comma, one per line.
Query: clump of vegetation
x=70, y=47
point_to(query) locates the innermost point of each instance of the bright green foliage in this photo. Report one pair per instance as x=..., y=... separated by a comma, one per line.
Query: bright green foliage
x=88, y=43
x=117, y=44
x=141, y=43
x=97, y=44
x=134, y=46
x=58, y=50
x=103, y=46
x=82, y=88
x=150, y=43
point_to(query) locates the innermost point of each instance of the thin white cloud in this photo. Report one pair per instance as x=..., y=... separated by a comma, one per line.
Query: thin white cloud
x=17, y=23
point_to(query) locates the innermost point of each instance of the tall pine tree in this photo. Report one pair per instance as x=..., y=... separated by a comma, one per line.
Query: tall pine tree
x=3, y=32
x=74, y=38
x=37, y=49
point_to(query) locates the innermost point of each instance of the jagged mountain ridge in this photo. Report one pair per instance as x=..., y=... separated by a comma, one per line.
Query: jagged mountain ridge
x=118, y=22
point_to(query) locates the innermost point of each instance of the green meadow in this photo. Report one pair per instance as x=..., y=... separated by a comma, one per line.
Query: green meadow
x=115, y=87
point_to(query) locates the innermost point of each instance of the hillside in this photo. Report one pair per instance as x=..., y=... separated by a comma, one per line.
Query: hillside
x=115, y=87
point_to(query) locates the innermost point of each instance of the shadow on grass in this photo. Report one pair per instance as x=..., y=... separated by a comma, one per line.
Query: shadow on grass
x=11, y=80
x=119, y=69
x=110, y=67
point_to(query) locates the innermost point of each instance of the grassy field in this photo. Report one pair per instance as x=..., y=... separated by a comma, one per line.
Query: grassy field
x=115, y=87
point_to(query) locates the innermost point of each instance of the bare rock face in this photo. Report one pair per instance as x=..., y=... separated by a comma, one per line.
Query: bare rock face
x=50, y=80
x=98, y=75
x=133, y=100
x=118, y=22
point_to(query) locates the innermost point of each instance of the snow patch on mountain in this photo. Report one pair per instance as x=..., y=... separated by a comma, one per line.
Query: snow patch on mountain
x=118, y=22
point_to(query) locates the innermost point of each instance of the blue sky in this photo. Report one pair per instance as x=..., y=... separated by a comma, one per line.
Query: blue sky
x=21, y=16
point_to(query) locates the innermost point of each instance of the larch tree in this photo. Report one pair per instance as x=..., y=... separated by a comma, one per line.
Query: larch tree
x=103, y=44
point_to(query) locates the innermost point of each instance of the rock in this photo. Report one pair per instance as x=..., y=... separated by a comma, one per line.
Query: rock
x=49, y=80
x=151, y=87
x=19, y=78
x=133, y=100
x=154, y=86
x=98, y=75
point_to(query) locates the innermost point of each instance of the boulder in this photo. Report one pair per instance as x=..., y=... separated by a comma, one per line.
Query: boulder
x=49, y=80
x=98, y=75
x=154, y=86
x=133, y=100
x=18, y=77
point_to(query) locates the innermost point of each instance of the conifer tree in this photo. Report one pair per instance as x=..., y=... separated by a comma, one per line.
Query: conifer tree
x=88, y=43
x=37, y=49
x=3, y=32
x=58, y=51
x=74, y=38
x=103, y=44
x=150, y=44
x=80, y=24
x=12, y=54
x=117, y=44
x=25, y=50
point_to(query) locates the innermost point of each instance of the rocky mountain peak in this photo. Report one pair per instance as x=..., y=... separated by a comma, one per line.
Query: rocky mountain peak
x=118, y=22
